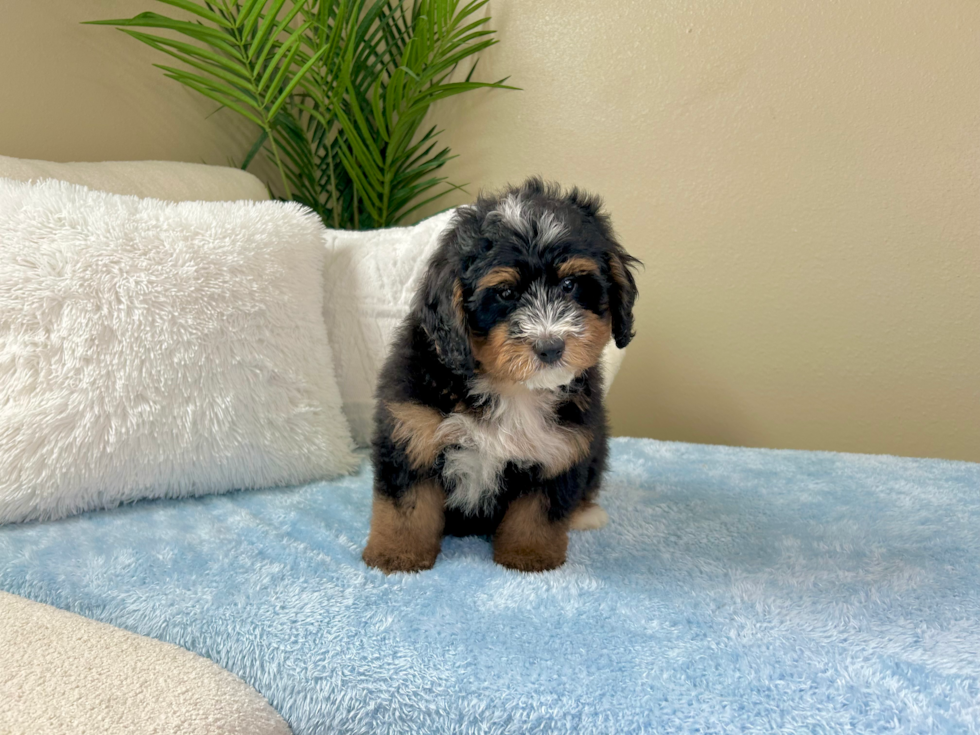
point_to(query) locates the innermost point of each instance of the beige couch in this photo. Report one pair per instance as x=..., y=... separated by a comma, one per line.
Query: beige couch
x=62, y=673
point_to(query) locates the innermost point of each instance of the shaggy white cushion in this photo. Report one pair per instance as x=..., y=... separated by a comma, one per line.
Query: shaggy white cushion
x=152, y=349
x=369, y=281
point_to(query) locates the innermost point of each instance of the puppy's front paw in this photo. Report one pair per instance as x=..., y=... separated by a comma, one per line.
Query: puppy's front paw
x=406, y=535
x=390, y=560
x=529, y=560
x=527, y=540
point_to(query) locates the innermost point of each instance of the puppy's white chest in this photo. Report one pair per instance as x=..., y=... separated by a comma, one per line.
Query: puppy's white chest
x=520, y=428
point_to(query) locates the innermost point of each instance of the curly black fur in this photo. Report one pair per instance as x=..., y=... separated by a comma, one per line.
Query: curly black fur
x=531, y=229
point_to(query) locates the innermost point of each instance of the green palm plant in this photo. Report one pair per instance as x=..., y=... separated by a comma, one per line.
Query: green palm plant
x=338, y=90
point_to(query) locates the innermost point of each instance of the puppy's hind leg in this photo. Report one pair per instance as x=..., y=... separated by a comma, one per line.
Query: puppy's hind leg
x=406, y=533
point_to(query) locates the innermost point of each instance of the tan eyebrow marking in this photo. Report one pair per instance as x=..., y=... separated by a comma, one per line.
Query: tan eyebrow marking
x=576, y=266
x=503, y=276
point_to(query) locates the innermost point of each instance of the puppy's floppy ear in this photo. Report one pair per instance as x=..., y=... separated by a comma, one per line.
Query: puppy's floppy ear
x=622, y=293
x=619, y=265
x=439, y=306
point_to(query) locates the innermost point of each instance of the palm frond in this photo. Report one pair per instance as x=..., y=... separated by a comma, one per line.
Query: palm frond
x=338, y=90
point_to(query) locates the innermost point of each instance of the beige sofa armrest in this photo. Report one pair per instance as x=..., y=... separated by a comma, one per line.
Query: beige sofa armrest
x=167, y=180
x=62, y=673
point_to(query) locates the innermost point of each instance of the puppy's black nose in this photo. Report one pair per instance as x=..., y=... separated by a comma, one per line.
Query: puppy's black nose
x=550, y=349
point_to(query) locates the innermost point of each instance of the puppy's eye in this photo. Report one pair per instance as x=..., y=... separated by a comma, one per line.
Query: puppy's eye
x=507, y=294
x=568, y=285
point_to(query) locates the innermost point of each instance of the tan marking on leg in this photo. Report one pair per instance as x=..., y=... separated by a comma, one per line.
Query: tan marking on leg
x=588, y=516
x=577, y=266
x=526, y=540
x=416, y=427
x=578, y=443
x=406, y=535
x=584, y=351
x=503, y=276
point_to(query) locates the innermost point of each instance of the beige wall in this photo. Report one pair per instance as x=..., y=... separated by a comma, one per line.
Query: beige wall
x=70, y=92
x=802, y=179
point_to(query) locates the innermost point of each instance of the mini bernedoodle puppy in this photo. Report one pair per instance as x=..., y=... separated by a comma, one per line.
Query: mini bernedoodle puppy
x=490, y=417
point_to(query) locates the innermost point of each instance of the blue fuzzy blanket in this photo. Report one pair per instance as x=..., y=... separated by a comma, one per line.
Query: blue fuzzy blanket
x=734, y=590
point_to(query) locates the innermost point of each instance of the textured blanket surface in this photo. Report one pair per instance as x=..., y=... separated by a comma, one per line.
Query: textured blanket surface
x=733, y=590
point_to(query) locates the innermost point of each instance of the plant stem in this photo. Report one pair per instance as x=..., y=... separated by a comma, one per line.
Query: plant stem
x=282, y=170
x=357, y=218
x=333, y=190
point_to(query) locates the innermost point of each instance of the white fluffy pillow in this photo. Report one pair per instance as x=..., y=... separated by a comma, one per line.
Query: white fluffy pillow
x=152, y=349
x=370, y=278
